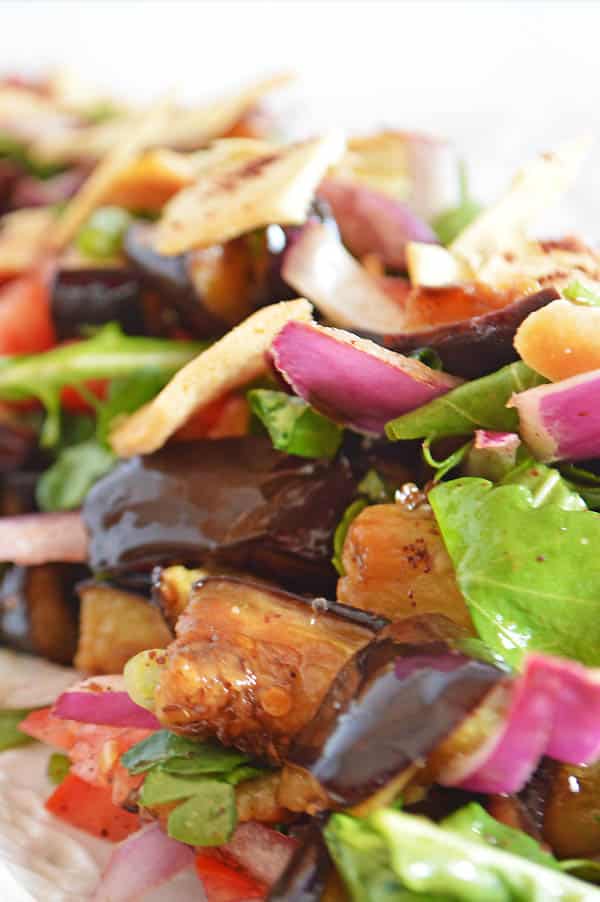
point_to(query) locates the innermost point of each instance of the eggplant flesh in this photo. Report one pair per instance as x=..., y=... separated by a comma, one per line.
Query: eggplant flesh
x=39, y=610
x=235, y=502
x=387, y=710
x=476, y=346
x=251, y=664
x=114, y=626
x=93, y=296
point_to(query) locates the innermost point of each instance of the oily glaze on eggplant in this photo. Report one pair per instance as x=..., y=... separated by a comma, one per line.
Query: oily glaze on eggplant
x=476, y=346
x=571, y=811
x=251, y=664
x=93, y=296
x=237, y=502
x=114, y=626
x=39, y=610
x=388, y=709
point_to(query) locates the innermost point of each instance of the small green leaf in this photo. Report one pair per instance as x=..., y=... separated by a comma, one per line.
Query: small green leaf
x=127, y=395
x=443, y=467
x=10, y=735
x=428, y=356
x=64, y=485
x=374, y=487
x=579, y=293
x=159, y=788
x=339, y=536
x=294, y=426
x=179, y=755
x=102, y=235
x=208, y=818
x=243, y=773
x=480, y=404
x=58, y=768
x=451, y=223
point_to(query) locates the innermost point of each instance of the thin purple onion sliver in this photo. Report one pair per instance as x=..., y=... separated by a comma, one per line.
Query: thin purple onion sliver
x=114, y=709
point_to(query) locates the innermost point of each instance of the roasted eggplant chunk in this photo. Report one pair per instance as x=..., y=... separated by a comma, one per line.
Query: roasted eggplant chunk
x=308, y=872
x=39, y=610
x=251, y=665
x=114, y=626
x=479, y=344
x=387, y=710
x=396, y=564
x=571, y=824
x=82, y=298
x=235, y=502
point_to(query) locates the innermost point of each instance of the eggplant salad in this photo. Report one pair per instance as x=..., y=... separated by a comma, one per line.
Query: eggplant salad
x=299, y=493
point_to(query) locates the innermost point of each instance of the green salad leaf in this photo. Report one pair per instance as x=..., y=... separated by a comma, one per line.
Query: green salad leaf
x=526, y=561
x=10, y=735
x=64, y=485
x=392, y=856
x=17, y=151
x=480, y=404
x=101, y=237
x=579, y=293
x=293, y=425
x=109, y=354
x=177, y=754
x=372, y=489
x=208, y=818
x=584, y=482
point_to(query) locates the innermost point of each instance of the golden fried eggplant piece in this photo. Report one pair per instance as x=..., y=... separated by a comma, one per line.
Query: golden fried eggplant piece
x=252, y=664
x=114, y=626
x=396, y=565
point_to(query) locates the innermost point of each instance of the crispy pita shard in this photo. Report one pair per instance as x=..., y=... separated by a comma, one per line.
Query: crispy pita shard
x=275, y=187
x=537, y=186
x=233, y=361
x=22, y=235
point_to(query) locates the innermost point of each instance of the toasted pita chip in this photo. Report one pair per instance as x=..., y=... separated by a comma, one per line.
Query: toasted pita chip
x=232, y=362
x=105, y=176
x=27, y=116
x=277, y=186
x=22, y=236
x=503, y=227
x=151, y=180
x=379, y=161
x=433, y=265
x=182, y=128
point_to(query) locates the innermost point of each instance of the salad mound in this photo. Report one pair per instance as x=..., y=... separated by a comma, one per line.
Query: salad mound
x=299, y=493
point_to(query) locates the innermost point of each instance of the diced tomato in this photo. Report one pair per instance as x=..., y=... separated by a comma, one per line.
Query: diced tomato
x=224, y=882
x=74, y=401
x=228, y=417
x=90, y=808
x=25, y=317
x=94, y=750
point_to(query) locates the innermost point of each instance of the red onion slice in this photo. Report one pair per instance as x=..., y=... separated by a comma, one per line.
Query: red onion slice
x=144, y=860
x=114, y=709
x=261, y=851
x=353, y=380
x=318, y=266
x=561, y=421
x=371, y=222
x=42, y=538
x=554, y=711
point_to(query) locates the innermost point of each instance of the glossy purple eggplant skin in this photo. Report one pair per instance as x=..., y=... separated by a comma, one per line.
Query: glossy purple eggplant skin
x=389, y=707
x=93, y=296
x=169, y=279
x=477, y=346
x=229, y=501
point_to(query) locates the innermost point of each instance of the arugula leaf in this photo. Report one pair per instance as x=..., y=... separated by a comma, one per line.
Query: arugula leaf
x=443, y=467
x=546, y=485
x=64, y=485
x=10, y=735
x=474, y=823
x=392, y=856
x=581, y=294
x=428, y=356
x=126, y=395
x=109, y=354
x=17, y=151
x=341, y=531
x=208, y=818
x=293, y=425
x=526, y=562
x=584, y=482
x=176, y=754
x=480, y=404
x=451, y=223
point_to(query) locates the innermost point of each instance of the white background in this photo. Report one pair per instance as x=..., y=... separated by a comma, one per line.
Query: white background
x=502, y=78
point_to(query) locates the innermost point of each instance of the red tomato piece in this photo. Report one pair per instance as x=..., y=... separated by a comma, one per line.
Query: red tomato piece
x=25, y=317
x=90, y=808
x=224, y=882
x=74, y=401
